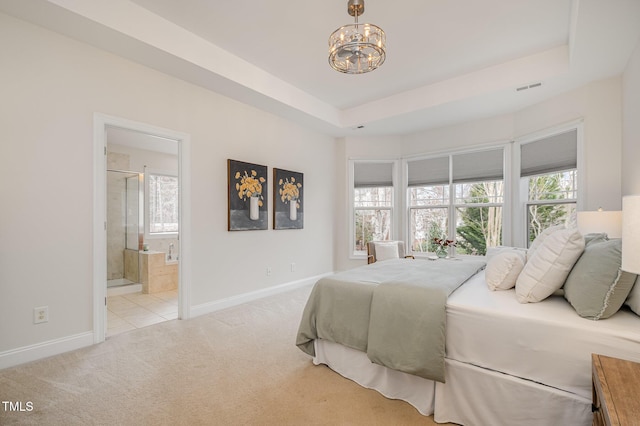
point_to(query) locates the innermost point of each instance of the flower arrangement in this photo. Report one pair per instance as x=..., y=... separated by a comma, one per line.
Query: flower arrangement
x=249, y=186
x=443, y=242
x=289, y=190
x=442, y=246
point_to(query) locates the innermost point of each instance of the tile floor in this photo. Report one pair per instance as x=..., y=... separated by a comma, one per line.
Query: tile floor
x=135, y=310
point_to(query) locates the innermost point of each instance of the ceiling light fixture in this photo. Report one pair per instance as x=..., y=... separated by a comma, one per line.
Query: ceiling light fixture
x=357, y=48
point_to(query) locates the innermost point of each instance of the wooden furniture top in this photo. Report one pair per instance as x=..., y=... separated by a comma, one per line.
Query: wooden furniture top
x=618, y=383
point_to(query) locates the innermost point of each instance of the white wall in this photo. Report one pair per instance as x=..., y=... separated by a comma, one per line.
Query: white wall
x=599, y=103
x=51, y=87
x=631, y=125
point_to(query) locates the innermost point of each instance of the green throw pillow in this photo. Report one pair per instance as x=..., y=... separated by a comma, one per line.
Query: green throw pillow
x=596, y=286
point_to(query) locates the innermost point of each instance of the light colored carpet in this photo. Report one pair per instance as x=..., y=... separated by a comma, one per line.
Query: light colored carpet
x=239, y=366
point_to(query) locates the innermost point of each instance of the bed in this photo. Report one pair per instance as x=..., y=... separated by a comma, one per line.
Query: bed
x=506, y=362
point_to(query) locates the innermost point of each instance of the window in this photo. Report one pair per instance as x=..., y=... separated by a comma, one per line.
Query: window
x=549, y=176
x=458, y=195
x=429, y=202
x=162, y=196
x=372, y=203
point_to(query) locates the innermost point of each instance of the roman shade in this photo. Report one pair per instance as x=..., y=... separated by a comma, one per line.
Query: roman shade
x=551, y=154
x=370, y=174
x=468, y=167
x=429, y=171
x=478, y=166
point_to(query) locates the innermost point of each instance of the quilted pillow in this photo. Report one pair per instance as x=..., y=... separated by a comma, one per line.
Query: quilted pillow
x=548, y=267
x=386, y=251
x=537, y=242
x=503, y=269
x=596, y=287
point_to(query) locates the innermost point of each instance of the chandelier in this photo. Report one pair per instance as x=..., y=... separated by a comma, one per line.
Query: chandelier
x=356, y=48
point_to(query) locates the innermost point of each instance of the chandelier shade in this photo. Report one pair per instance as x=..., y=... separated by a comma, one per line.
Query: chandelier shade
x=357, y=48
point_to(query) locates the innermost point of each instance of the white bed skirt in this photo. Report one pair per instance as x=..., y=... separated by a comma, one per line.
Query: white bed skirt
x=472, y=396
x=477, y=396
x=356, y=366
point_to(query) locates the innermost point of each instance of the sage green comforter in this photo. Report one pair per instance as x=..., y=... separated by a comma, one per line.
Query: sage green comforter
x=392, y=310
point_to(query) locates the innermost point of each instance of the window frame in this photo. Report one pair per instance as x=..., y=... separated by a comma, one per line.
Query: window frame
x=528, y=203
x=521, y=184
x=353, y=254
x=452, y=206
x=147, y=206
x=515, y=195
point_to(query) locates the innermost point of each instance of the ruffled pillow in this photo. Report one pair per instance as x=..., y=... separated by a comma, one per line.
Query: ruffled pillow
x=596, y=286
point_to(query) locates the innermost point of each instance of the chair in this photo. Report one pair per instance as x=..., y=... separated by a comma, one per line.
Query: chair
x=385, y=253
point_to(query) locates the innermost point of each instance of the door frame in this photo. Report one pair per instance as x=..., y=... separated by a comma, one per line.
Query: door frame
x=100, y=124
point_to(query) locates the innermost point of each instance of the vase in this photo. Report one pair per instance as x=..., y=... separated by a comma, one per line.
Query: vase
x=441, y=252
x=254, y=208
x=293, y=209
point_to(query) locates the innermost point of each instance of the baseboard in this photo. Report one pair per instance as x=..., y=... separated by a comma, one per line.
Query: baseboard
x=30, y=353
x=38, y=351
x=206, y=308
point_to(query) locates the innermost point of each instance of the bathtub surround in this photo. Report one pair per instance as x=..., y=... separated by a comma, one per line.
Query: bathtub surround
x=164, y=245
x=157, y=273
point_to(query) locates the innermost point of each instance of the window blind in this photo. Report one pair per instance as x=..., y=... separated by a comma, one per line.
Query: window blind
x=367, y=174
x=552, y=154
x=469, y=167
x=427, y=172
x=478, y=166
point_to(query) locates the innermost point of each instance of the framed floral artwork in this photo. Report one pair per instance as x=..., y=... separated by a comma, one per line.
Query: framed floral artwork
x=288, y=195
x=247, y=197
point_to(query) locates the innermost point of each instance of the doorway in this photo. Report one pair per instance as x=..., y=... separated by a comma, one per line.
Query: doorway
x=140, y=273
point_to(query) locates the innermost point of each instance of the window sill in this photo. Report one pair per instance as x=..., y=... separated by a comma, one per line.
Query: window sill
x=159, y=235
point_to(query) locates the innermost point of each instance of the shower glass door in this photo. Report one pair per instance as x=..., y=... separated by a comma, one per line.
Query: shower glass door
x=125, y=227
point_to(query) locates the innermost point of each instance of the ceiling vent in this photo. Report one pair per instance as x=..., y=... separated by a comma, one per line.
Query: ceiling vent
x=530, y=86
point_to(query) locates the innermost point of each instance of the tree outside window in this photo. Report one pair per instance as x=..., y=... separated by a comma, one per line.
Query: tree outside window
x=551, y=201
x=163, y=204
x=373, y=218
x=479, y=216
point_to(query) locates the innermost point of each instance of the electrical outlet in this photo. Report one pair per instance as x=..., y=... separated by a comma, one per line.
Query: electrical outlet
x=40, y=314
x=268, y=271
x=293, y=267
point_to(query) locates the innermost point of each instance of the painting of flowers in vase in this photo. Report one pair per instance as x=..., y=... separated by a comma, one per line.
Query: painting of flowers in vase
x=247, y=198
x=288, y=212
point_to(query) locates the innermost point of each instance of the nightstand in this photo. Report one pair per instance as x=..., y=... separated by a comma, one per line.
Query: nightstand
x=616, y=391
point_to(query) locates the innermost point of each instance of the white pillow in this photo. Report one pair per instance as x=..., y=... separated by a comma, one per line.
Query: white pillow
x=548, y=267
x=537, y=242
x=492, y=251
x=503, y=269
x=386, y=251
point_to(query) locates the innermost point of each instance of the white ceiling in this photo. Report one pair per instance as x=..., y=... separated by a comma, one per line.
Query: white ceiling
x=447, y=61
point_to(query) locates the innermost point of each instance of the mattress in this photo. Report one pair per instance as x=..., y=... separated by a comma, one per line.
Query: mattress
x=545, y=342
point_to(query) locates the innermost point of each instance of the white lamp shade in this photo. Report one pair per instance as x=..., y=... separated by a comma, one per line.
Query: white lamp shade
x=609, y=222
x=631, y=234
